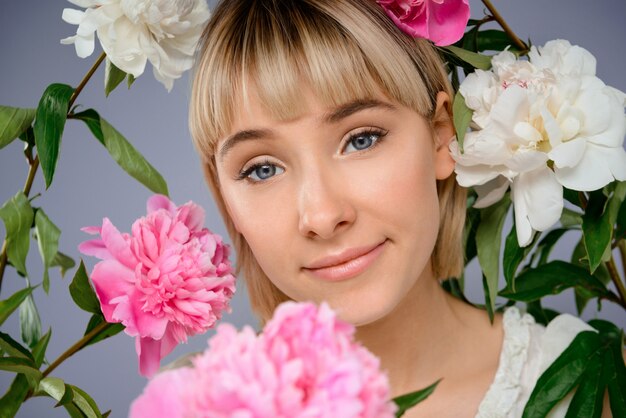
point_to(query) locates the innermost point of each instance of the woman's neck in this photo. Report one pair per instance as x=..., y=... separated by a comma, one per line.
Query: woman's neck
x=431, y=335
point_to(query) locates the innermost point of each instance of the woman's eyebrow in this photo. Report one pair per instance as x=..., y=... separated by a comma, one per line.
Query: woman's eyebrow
x=350, y=108
x=242, y=136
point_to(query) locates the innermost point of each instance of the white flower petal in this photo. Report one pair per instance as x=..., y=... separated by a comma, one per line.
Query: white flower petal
x=72, y=16
x=522, y=224
x=593, y=171
x=491, y=192
x=569, y=153
x=527, y=160
x=538, y=202
x=84, y=46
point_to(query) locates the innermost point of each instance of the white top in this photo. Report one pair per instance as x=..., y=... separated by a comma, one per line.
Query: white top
x=528, y=350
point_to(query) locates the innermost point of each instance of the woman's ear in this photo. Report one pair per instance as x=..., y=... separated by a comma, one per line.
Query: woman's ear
x=443, y=130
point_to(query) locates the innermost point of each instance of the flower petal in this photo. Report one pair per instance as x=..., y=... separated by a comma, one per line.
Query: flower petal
x=491, y=192
x=568, y=154
x=111, y=279
x=159, y=201
x=595, y=169
x=149, y=353
x=447, y=21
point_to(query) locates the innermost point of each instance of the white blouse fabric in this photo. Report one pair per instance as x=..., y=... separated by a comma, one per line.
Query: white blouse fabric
x=528, y=350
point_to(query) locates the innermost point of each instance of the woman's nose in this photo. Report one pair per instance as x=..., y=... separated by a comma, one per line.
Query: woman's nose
x=324, y=206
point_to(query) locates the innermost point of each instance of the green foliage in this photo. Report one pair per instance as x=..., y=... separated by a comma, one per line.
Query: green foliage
x=39, y=350
x=14, y=349
x=8, y=306
x=550, y=279
x=514, y=255
x=48, y=242
x=462, y=116
x=63, y=261
x=82, y=293
x=113, y=76
x=12, y=400
x=76, y=401
x=488, y=241
x=107, y=331
x=591, y=364
x=17, y=216
x=13, y=122
x=30, y=322
x=409, y=400
x=49, y=125
x=123, y=152
x=478, y=61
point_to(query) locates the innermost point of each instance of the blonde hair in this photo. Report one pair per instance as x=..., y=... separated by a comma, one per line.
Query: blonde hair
x=344, y=50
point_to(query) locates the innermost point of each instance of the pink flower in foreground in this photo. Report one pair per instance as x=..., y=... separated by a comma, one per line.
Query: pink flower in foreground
x=168, y=279
x=441, y=21
x=304, y=365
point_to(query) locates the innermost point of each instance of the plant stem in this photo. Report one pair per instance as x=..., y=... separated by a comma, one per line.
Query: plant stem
x=76, y=347
x=505, y=26
x=617, y=280
x=32, y=171
x=622, y=252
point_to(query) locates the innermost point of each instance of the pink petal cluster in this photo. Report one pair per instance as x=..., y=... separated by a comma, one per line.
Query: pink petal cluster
x=168, y=279
x=305, y=364
x=441, y=21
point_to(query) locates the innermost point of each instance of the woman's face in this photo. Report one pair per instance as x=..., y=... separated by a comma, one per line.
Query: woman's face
x=339, y=204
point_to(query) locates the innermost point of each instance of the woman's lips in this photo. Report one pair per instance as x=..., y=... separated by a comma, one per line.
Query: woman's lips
x=347, y=264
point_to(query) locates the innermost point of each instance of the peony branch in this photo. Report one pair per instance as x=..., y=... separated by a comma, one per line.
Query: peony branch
x=621, y=244
x=617, y=281
x=505, y=26
x=80, y=344
x=34, y=164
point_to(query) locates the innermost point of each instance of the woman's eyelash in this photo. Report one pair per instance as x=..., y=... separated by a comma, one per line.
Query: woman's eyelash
x=245, y=173
x=379, y=133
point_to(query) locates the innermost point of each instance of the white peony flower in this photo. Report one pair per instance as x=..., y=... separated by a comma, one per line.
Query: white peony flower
x=541, y=125
x=132, y=32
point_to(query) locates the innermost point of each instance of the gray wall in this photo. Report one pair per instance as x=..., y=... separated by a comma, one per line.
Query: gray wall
x=89, y=185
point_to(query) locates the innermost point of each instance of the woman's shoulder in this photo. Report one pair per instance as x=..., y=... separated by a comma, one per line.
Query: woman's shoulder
x=528, y=349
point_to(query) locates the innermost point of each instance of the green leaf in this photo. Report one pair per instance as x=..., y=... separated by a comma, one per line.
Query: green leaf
x=494, y=40
x=13, y=348
x=20, y=365
x=85, y=403
x=12, y=400
x=514, y=255
x=476, y=60
x=64, y=262
x=30, y=322
x=587, y=401
x=49, y=124
x=17, y=216
x=123, y=152
x=48, y=242
x=570, y=218
x=405, y=402
x=130, y=80
x=488, y=241
x=547, y=244
x=616, y=383
x=562, y=375
x=82, y=292
x=597, y=229
x=108, y=331
x=462, y=117
x=13, y=122
x=57, y=389
x=9, y=305
x=39, y=350
x=542, y=315
x=113, y=76
x=550, y=279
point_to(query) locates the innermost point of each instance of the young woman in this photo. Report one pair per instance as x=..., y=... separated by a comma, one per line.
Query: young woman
x=324, y=133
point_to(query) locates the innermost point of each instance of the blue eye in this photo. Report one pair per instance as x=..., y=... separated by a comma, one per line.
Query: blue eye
x=261, y=172
x=363, y=140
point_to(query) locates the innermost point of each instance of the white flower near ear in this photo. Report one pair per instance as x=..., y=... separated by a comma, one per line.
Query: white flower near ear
x=538, y=126
x=133, y=32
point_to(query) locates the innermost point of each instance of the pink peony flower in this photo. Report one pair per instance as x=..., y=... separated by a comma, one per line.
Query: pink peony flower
x=441, y=21
x=304, y=365
x=168, y=279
